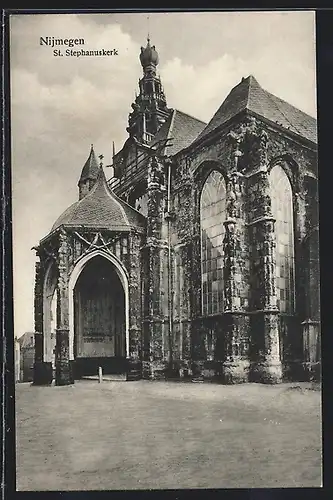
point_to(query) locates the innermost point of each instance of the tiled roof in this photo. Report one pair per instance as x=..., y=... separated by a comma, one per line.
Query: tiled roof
x=248, y=94
x=101, y=208
x=91, y=168
x=181, y=129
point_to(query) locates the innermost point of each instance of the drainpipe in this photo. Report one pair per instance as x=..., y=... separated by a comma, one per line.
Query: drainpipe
x=144, y=127
x=170, y=290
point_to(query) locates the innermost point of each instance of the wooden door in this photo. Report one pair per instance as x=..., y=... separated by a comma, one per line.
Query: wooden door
x=99, y=311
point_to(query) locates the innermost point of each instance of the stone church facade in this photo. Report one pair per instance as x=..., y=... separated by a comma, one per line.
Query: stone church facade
x=198, y=259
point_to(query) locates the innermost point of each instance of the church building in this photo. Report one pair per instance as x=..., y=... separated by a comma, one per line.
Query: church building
x=198, y=259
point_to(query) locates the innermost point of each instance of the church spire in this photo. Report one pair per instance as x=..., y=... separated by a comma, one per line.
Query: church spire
x=150, y=107
x=89, y=174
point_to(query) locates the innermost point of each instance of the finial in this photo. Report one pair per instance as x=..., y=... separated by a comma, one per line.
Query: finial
x=113, y=149
x=101, y=162
x=148, y=37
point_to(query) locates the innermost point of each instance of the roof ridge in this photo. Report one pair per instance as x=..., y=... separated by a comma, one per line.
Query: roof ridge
x=289, y=104
x=269, y=95
x=101, y=175
x=250, y=77
x=89, y=165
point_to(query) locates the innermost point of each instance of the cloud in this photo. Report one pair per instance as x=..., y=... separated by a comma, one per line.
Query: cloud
x=60, y=105
x=210, y=83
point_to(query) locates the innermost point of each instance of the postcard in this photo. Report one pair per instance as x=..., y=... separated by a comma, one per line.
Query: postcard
x=165, y=250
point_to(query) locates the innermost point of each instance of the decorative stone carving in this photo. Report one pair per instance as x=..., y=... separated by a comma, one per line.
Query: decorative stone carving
x=97, y=242
x=155, y=174
x=233, y=195
x=250, y=142
x=256, y=139
x=268, y=263
x=38, y=297
x=236, y=140
x=48, y=250
x=231, y=247
x=63, y=263
x=231, y=201
x=135, y=292
x=80, y=243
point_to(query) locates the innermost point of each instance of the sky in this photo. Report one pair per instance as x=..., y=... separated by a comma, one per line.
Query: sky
x=62, y=105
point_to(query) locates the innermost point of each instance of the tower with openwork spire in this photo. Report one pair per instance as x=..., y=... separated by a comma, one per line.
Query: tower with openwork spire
x=149, y=108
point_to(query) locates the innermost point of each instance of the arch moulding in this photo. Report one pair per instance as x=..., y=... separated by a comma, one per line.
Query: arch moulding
x=49, y=289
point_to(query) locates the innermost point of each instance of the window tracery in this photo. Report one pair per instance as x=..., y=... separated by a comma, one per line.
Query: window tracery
x=212, y=216
x=282, y=209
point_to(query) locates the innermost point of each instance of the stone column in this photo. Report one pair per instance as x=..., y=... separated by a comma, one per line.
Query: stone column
x=265, y=318
x=156, y=340
x=235, y=365
x=134, y=356
x=311, y=323
x=63, y=367
x=196, y=329
x=184, y=251
x=38, y=299
x=265, y=343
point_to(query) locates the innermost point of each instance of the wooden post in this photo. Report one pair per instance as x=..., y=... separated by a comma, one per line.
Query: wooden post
x=100, y=374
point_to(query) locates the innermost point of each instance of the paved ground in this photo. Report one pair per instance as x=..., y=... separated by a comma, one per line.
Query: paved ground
x=134, y=435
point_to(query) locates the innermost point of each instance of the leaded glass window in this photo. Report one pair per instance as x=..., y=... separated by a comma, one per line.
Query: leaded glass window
x=212, y=216
x=282, y=208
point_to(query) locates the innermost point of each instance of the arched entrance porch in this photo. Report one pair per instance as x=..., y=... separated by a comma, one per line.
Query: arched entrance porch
x=98, y=315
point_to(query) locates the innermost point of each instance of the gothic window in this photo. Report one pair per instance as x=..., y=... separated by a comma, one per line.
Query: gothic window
x=212, y=216
x=282, y=208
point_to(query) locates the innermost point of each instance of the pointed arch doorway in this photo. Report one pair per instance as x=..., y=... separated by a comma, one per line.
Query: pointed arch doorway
x=100, y=309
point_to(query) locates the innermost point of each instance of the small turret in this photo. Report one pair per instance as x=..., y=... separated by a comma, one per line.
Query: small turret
x=88, y=175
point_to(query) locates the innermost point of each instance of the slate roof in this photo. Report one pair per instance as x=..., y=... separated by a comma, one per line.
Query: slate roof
x=101, y=209
x=181, y=128
x=249, y=95
x=90, y=168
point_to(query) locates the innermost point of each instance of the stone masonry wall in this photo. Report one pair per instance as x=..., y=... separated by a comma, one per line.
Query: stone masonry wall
x=252, y=291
